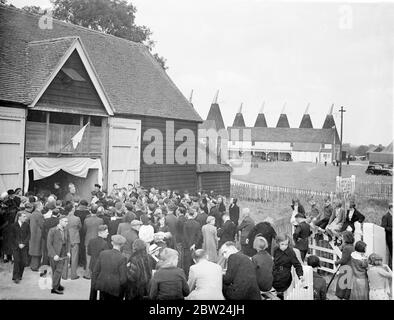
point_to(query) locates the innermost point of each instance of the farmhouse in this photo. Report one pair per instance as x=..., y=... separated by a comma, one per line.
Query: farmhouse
x=282, y=142
x=55, y=81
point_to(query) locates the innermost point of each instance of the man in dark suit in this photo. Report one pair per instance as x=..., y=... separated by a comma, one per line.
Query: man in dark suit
x=234, y=211
x=301, y=235
x=216, y=213
x=352, y=216
x=201, y=217
x=110, y=272
x=82, y=212
x=240, y=280
x=19, y=239
x=58, y=244
x=49, y=223
x=172, y=220
x=192, y=240
x=227, y=231
x=74, y=226
x=90, y=230
x=244, y=228
x=387, y=224
x=94, y=249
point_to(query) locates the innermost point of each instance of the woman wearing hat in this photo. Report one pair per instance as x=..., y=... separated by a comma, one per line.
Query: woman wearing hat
x=139, y=272
x=379, y=277
x=359, y=264
x=169, y=282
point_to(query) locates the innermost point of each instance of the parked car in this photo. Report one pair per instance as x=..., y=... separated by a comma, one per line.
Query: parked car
x=379, y=169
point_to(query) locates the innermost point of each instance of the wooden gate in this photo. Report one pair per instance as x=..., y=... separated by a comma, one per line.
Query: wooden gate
x=12, y=144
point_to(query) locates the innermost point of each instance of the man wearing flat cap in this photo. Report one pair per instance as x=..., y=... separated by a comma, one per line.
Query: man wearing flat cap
x=110, y=274
x=95, y=247
x=58, y=244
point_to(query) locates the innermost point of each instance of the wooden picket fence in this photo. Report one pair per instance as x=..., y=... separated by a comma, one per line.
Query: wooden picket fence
x=265, y=193
x=376, y=190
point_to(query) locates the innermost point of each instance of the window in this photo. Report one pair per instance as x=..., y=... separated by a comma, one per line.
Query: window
x=94, y=121
x=36, y=116
x=64, y=118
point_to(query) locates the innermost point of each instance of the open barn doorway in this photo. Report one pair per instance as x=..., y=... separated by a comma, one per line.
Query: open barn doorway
x=44, y=187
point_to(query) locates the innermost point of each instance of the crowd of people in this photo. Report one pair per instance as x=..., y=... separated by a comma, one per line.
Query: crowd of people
x=135, y=243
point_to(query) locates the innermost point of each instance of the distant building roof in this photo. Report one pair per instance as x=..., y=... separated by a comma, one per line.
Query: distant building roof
x=304, y=135
x=389, y=148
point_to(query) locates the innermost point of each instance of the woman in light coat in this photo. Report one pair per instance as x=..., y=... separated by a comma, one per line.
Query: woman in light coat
x=379, y=278
x=210, y=239
x=205, y=278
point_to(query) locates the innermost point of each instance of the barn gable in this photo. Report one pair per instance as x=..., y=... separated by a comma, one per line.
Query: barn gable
x=134, y=83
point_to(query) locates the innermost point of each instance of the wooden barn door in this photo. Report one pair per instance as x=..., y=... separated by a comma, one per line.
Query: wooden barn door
x=12, y=147
x=124, y=152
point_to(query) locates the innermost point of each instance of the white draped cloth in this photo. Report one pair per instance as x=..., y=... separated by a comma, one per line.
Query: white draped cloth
x=45, y=167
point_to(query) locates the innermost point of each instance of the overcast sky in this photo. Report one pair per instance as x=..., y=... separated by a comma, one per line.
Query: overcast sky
x=277, y=52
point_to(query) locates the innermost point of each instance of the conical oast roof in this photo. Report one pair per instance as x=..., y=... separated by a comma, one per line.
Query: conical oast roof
x=261, y=121
x=329, y=122
x=283, y=122
x=215, y=115
x=239, y=120
x=306, y=121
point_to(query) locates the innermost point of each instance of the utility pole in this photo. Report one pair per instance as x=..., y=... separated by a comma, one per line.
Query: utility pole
x=340, y=146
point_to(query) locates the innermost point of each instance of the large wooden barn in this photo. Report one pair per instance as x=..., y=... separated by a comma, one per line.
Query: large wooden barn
x=55, y=80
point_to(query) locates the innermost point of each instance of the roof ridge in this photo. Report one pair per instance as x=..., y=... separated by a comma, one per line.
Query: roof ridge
x=52, y=40
x=19, y=10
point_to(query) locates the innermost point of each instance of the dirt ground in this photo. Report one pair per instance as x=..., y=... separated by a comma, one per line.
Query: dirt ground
x=33, y=287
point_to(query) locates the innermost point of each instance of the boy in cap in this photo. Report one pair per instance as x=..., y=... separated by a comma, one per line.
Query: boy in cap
x=319, y=284
x=110, y=273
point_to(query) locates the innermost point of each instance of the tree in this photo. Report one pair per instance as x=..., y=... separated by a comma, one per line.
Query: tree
x=115, y=17
x=362, y=150
x=34, y=9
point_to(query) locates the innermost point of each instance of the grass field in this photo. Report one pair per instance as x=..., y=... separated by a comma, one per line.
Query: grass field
x=310, y=176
